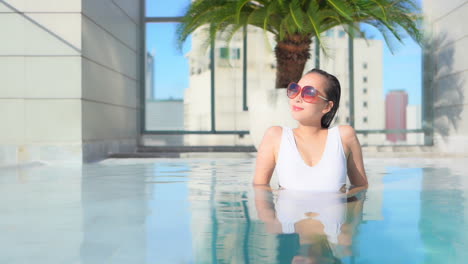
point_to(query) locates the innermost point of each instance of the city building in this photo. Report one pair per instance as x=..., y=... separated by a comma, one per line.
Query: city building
x=368, y=81
x=413, y=121
x=228, y=61
x=396, y=103
x=167, y=114
x=149, y=77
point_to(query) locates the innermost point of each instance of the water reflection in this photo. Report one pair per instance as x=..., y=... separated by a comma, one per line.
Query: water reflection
x=442, y=226
x=311, y=227
x=113, y=214
x=206, y=212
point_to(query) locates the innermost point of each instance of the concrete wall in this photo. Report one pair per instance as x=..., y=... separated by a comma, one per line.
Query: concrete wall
x=110, y=30
x=69, y=85
x=40, y=87
x=447, y=68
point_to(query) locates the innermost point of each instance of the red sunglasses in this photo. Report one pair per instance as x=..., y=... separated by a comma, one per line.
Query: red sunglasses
x=308, y=93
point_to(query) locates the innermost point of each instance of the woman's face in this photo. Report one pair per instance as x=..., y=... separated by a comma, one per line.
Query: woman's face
x=311, y=113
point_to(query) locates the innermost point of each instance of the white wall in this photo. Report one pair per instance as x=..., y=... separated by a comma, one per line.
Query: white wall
x=110, y=30
x=69, y=86
x=40, y=88
x=446, y=22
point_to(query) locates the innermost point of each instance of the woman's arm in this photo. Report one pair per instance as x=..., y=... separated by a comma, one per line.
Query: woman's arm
x=264, y=203
x=266, y=208
x=353, y=219
x=356, y=172
x=265, y=163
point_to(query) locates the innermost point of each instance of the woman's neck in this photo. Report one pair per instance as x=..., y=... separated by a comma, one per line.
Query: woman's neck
x=309, y=130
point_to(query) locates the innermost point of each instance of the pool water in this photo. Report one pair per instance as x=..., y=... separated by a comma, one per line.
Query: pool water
x=206, y=211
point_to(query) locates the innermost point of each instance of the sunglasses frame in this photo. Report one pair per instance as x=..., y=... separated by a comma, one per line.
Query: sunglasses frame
x=301, y=92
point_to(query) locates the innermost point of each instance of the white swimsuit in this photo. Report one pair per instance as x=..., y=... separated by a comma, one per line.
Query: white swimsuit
x=329, y=175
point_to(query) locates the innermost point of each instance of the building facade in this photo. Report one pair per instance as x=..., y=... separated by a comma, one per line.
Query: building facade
x=71, y=79
x=368, y=81
x=396, y=103
x=445, y=74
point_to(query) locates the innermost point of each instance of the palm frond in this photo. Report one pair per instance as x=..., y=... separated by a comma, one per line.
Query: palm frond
x=293, y=21
x=283, y=18
x=342, y=8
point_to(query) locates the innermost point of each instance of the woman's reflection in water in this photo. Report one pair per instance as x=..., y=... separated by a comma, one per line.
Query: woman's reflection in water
x=312, y=227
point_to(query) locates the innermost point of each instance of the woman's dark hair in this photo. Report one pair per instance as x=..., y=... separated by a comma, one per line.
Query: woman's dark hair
x=333, y=93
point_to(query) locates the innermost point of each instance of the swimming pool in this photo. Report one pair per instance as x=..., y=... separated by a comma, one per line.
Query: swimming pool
x=203, y=210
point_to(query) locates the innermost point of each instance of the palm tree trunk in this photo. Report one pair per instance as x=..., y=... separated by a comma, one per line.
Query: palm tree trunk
x=292, y=54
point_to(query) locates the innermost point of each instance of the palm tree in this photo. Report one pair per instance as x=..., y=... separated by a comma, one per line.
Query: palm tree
x=294, y=23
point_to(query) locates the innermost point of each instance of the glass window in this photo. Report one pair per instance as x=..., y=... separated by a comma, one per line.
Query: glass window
x=164, y=8
x=162, y=60
x=236, y=54
x=226, y=53
x=388, y=108
x=370, y=110
x=178, y=84
x=172, y=100
x=341, y=33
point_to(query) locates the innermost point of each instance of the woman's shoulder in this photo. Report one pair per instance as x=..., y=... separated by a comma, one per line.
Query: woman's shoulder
x=272, y=138
x=273, y=135
x=346, y=130
x=347, y=133
x=274, y=132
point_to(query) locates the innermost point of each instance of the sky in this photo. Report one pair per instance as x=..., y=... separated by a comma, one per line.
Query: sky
x=402, y=69
x=171, y=69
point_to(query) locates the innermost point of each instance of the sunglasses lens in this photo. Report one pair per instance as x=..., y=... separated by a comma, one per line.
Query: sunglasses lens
x=293, y=90
x=309, y=94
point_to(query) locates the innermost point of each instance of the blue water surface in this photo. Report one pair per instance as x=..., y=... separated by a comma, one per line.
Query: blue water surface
x=206, y=211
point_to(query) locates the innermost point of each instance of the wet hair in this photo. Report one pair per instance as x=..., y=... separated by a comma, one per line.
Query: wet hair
x=332, y=92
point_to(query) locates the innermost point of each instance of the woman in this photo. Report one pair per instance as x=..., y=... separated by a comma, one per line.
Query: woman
x=312, y=156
